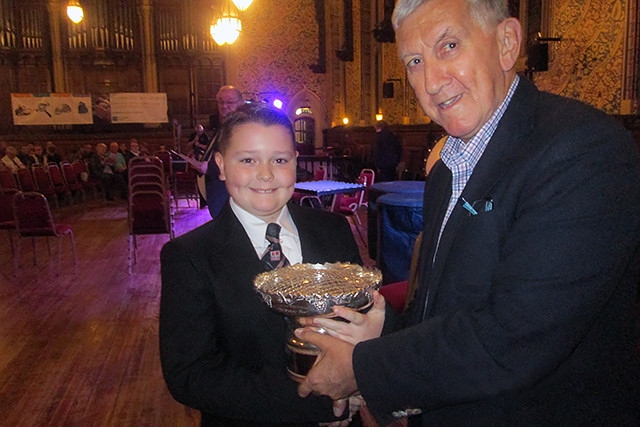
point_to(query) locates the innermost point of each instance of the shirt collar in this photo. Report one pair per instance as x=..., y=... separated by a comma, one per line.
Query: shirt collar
x=455, y=151
x=257, y=228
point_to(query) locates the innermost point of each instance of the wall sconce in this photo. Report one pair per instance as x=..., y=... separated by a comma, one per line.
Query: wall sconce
x=226, y=26
x=74, y=11
x=345, y=121
x=379, y=117
x=242, y=5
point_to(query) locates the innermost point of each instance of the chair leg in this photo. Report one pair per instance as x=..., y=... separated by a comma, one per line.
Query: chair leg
x=35, y=255
x=73, y=247
x=59, y=255
x=16, y=257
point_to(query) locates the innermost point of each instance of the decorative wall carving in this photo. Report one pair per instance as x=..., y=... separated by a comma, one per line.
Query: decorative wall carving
x=588, y=63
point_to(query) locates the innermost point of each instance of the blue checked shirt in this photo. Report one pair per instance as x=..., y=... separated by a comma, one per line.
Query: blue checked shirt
x=461, y=158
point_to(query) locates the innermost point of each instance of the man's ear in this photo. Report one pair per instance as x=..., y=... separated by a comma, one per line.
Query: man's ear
x=509, y=34
x=220, y=162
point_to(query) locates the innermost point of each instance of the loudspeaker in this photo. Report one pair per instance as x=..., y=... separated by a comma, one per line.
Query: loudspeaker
x=387, y=90
x=538, y=57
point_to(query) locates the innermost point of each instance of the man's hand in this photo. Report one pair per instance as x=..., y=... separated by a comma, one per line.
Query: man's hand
x=360, y=327
x=332, y=375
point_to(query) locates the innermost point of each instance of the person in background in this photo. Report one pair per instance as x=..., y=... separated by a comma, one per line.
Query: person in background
x=198, y=142
x=526, y=309
x=38, y=155
x=229, y=98
x=11, y=161
x=101, y=167
x=387, y=152
x=132, y=151
x=52, y=156
x=221, y=347
x=25, y=155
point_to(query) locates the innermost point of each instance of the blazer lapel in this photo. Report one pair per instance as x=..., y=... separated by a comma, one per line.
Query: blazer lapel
x=507, y=141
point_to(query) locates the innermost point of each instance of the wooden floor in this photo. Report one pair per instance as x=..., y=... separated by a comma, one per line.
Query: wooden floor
x=80, y=348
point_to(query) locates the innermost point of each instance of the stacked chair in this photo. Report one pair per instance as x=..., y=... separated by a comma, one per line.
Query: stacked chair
x=149, y=202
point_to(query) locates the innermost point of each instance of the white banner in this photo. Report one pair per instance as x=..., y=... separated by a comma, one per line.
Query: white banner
x=138, y=107
x=51, y=109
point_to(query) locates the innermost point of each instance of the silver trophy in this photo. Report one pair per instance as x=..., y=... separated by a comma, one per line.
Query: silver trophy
x=305, y=290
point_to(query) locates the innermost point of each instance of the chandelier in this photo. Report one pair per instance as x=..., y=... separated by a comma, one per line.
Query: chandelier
x=74, y=11
x=226, y=25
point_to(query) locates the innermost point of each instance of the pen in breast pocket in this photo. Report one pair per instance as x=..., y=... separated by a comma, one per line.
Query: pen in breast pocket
x=468, y=206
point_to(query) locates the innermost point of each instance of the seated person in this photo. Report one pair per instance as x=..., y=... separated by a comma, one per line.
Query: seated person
x=222, y=348
x=11, y=161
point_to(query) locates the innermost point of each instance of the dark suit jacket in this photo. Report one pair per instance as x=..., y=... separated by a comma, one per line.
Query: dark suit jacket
x=530, y=316
x=222, y=348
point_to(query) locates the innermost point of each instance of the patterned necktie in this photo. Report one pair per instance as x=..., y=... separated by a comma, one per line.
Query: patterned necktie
x=273, y=257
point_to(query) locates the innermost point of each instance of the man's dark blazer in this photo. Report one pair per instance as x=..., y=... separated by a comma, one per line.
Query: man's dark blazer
x=529, y=315
x=221, y=347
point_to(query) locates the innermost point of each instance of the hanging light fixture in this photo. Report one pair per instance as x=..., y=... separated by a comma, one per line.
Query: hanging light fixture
x=74, y=11
x=242, y=5
x=226, y=26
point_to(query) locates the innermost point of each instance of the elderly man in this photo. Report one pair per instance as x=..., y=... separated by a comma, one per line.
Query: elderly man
x=11, y=160
x=525, y=312
x=229, y=99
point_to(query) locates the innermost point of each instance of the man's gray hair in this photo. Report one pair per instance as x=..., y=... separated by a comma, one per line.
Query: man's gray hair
x=486, y=12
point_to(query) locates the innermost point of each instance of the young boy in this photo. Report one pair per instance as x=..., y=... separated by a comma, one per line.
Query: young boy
x=222, y=348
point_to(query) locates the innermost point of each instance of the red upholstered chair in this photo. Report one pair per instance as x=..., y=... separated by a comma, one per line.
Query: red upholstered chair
x=320, y=173
x=72, y=179
x=62, y=189
x=149, y=213
x=185, y=185
x=8, y=180
x=33, y=219
x=25, y=179
x=88, y=183
x=6, y=212
x=44, y=184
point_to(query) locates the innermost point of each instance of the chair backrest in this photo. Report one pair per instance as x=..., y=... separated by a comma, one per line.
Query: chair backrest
x=70, y=175
x=25, y=179
x=43, y=180
x=140, y=160
x=146, y=169
x=8, y=180
x=320, y=173
x=311, y=201
x=146, y=178
x=6, y=204
x=149, y=213
x=165, y=157
x=56, y=175
x=32, y=214
x=368, y=178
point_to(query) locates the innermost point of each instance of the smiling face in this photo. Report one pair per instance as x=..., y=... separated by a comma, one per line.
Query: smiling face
x=459, y=69
x=259, y=167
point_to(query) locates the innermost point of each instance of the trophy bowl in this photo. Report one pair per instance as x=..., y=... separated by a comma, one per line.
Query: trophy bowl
x=305, y=290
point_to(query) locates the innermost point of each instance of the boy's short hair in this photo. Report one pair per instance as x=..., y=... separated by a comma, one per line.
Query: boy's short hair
x=253, y=113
